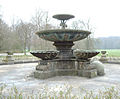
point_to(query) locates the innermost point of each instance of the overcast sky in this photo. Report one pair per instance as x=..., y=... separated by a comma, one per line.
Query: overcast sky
x=103, y=14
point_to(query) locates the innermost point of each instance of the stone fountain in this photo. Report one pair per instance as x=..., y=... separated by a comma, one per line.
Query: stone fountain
x=64, y=61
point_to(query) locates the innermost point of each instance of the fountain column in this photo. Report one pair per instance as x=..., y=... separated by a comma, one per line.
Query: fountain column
x=65, y=62
x=64, y=48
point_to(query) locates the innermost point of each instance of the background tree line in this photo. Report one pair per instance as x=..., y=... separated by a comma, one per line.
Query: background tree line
x=112, y=42
x=21, y=37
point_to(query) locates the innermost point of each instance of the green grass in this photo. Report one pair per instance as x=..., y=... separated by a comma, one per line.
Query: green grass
x=112, y=52
x=19, y=57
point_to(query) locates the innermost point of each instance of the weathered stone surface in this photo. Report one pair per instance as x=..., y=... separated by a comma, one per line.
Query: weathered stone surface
x=65, y=64
x=44, y=74
x=82, y=65
x=84, y=54
x=64, y=48
x=99, y=67
x=42, y=67
x=66, y=72
x=60, y=72
x=55, y=68
x=87, y=73
x=80, y=73
x=43, y=62
x=45, y=55
x=69, y=68
x=46, y=65
x=61, y=35
x=103, y=57
x=9, y=59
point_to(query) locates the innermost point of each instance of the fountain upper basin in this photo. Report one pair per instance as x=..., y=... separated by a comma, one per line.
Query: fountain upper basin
x=60, y=35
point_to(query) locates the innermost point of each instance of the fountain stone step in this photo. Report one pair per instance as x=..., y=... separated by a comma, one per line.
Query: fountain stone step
x=88, y=73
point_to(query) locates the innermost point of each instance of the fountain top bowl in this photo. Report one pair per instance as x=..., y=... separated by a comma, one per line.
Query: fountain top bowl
x=63, y=16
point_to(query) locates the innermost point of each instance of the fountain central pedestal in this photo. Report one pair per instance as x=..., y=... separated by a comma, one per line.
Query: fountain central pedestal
x=65, y=51
x=66, y=61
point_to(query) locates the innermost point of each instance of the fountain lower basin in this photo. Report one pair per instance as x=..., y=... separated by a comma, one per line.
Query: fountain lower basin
x=85, y=54
x=45, y=55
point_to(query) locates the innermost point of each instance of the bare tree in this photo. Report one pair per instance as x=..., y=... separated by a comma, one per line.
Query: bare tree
x=25, y=32
x=4, y=36
x=20, y=36
x=80, y=24
x=1, y=30
x=41, y=21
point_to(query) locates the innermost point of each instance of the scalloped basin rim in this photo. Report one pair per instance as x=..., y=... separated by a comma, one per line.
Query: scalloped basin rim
x=85, y=54
x=44, y=56
x=63, y=16
x=44, y=51
x=86, y=51
x=62, y=30
x=60, y=35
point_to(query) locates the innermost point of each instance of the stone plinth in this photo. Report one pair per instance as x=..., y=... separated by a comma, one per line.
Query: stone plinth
x=66, y=72
x=103, y=57
x=65, y=67
x=50, y=68
x=90, y=73
x=9, y=59
x=44, y=69
x=44, y=74
x=82, y=65
x=65, y=64
x=85, y=70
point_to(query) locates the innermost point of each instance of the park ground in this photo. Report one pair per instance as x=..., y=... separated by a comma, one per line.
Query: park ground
x=20, y=75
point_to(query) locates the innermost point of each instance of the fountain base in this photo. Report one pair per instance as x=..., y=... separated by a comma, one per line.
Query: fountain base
x=43, y=75
x=88, y=73
x=51, y=68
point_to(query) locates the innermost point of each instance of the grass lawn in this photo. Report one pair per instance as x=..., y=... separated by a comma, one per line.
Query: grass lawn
x=19, y=57
x=112, y=52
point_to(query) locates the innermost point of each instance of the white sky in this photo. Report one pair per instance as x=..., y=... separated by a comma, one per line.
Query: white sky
x=104, y=14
